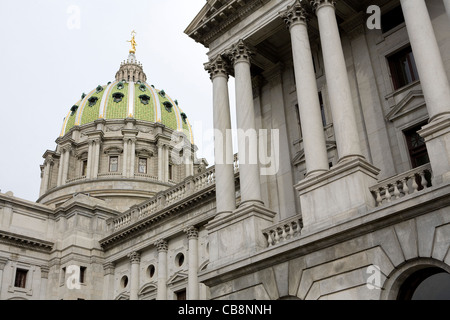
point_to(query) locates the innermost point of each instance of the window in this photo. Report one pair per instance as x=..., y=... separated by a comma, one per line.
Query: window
x=113, y=163
x=117, y=96
x=416, y=147
x=84, y=168
x=170, y=172
x=82, y=274
x=21, y=278
x=142, y=165
x=391, y=19
x=403, y=68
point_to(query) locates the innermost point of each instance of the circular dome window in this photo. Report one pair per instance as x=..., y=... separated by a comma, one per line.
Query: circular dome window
x=179, y=259
x=124, y=281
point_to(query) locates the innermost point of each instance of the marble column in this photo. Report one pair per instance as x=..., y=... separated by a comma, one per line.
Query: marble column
x=90, y=159
x=160, y=162
x=66, y=165
x=433, y=78
x=96, y=161
x=218, y=69
x=125, y=158
x=132, y=158
x=108, y=280
x=46, y=176
x=60, y=168
x=316, y=157
x=374, y=120
x=344, y=119
x=166, y=163
x=44, y=280
x=250, y=182
x=135, y=259
x=193, y=285
x=162, y=247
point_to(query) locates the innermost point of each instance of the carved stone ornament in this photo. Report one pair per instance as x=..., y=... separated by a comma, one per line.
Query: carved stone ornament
x=113, y=150
x=161, y=245
x=294, y=13
x=192, y=232
x=239, y=52
x=114, y=128
x=135, y=257
x=217, y=66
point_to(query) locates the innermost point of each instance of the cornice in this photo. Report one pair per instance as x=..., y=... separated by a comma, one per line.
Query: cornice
x=25, y=242
x=223, y=19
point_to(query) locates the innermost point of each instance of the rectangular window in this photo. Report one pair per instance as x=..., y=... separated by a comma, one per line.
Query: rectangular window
x=113, y=164
x=82, y=274
x=142, y=166
x=403, y=68
x=170, y=172
x=21, y=278
x=84, y=168
x=416, y=147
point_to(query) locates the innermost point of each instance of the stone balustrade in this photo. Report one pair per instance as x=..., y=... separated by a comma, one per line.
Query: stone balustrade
x=401, y=185
x=76, y=179
x=285, y=230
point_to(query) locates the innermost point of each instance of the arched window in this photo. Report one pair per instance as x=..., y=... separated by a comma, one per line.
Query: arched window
x=431, y=283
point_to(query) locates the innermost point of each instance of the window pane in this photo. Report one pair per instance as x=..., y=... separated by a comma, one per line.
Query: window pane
x=21, y=278
x=113, y=164
x=403, y=68
x=142, y=165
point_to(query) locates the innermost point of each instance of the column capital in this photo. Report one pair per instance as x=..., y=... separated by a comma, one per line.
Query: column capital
x=192, y=232
x=49, y=160
x=294, y=14
x=317, y=4
x=3, y=262
x=217, y=66
x=109, y=268
x=44, y=272
x=135, y=257
x=240, y=52
x=161, y=245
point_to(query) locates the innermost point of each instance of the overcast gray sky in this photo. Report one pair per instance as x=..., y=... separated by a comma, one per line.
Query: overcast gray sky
x=48, y=60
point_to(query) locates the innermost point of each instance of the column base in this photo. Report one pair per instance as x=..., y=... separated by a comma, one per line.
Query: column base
x=340, y=194
x=437, y=140
x=238, y=234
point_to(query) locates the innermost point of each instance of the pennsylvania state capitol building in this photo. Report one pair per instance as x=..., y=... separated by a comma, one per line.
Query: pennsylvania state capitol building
x=355, y=119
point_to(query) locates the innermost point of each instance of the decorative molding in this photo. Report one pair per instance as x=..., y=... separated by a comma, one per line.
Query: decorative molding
x=295, y=13
x=113, y=150
x=109, y=268
x=317, y=4
x=44, y=272
x=162, y=245
x=114, y=128
x=135, y=257
x=192, y=232
x=25, y=242
x=218, y=66
x=239, y=52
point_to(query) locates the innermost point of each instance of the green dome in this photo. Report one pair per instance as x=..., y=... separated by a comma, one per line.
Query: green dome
x=120, y=100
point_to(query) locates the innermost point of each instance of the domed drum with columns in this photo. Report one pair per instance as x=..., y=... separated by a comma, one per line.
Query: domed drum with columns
x=121, y=142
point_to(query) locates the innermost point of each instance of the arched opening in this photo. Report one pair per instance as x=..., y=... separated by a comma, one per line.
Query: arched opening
x=426, y=284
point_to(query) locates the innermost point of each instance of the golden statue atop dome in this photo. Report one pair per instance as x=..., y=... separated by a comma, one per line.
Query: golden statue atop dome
x=133, y=42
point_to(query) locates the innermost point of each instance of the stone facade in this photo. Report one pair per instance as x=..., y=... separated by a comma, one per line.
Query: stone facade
x=357, y=208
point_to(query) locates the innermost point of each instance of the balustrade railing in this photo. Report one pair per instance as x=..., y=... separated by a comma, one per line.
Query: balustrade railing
x=283, y=231
x=170, y=196
x=396, y=187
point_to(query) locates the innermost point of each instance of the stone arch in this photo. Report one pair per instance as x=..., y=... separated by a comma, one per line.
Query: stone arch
x=393, y=284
